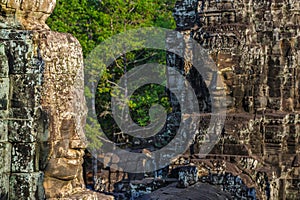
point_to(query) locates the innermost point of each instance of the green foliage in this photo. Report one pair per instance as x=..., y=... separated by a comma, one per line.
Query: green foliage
x=142, y=99
x=92, y=22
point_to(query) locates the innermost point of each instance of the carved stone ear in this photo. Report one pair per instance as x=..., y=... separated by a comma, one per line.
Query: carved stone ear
x=28, y=15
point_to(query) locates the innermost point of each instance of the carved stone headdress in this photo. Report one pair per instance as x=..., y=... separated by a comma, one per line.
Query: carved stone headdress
x=25, y=14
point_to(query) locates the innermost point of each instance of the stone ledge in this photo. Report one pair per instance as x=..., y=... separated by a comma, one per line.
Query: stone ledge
x=86, y=195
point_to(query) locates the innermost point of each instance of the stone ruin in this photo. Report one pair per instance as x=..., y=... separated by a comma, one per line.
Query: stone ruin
x=255, y=44
x=42, y=107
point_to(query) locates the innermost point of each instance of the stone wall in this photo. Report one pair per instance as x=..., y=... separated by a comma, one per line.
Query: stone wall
x=21, y=117
x=255, y=46
x=42, y=107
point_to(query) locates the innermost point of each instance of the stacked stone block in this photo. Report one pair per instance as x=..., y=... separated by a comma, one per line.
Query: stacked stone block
x=255, y=46
x=42, y=106
x=21, y=79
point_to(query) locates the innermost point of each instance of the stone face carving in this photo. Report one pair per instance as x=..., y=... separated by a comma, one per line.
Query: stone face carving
x=42, y=106
x=63, y=101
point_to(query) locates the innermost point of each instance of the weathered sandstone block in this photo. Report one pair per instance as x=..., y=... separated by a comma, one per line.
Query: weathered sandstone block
x=42, y=106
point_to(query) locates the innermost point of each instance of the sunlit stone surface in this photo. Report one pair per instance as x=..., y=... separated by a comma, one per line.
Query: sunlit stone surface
x=42, y=107
x=255, y=45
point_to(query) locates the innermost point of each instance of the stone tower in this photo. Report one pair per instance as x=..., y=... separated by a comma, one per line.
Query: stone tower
x=42, y=106
x=255, y=45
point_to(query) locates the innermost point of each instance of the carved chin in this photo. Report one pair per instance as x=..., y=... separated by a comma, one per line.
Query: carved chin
x=63, y=168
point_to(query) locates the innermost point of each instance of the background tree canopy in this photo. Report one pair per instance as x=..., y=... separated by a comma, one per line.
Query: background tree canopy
x=92, y=22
